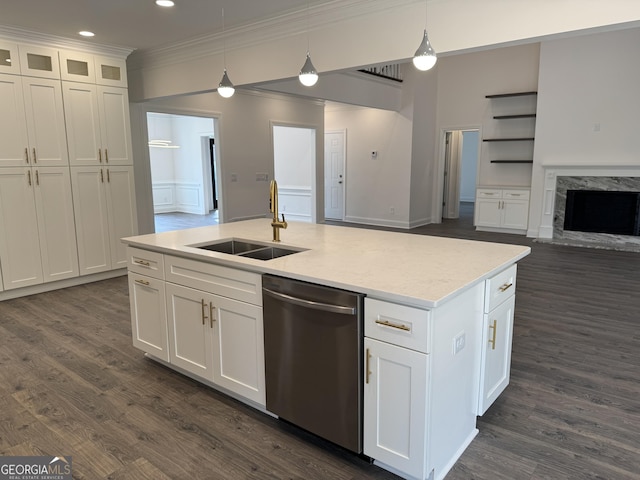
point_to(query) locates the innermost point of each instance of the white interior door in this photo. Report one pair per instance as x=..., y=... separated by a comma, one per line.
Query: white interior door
x=334, y=154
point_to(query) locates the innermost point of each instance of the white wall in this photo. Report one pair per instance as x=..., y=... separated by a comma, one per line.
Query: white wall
x=377, y=189
x=588, y=104
x=244, y=143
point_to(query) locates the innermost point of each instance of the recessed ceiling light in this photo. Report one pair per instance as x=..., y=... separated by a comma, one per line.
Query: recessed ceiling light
x=86, y=33
x=165, y=3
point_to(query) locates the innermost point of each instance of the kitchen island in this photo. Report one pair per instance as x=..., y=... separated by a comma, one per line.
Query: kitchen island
x=438, y=318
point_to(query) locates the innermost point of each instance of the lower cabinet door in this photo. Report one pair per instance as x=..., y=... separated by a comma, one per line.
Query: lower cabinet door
x=495, y=364
x=395, y=395
x=189, y=320
x=488, y=213
x=148, y=315
x=238, y=349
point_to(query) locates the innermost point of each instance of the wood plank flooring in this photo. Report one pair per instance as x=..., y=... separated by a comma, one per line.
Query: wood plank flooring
x=71, y=383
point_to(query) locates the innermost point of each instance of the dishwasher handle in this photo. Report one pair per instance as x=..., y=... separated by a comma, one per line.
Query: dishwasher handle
x=311, y=304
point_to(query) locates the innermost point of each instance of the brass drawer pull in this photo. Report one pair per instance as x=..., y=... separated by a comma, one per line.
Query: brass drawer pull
x=142, y=262
x=386, y=323
x=143, y=282
x=505, y=287
x=35, y=159
x=212, y=317
x=493, y=327
x=26, y=154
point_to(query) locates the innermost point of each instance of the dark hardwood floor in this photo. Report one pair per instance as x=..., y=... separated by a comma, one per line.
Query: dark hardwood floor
x=71, y=383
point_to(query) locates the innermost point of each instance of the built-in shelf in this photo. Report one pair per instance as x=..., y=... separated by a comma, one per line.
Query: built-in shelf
x=511, y=161
x=521, y=139
x=522, y=115
x=516, y=94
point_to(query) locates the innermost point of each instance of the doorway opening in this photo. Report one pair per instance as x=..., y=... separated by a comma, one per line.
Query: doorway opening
x=461, y=156
x=184, y=166
x=294, y=166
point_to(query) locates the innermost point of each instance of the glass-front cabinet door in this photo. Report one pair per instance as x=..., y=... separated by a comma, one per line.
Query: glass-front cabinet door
x=9, y=60
x=111, y=71
x=39, y=61
x=77, y=67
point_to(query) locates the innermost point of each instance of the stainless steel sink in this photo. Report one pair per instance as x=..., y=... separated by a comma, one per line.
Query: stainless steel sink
x=248, y=249
x=268, y=253
x=233, y=246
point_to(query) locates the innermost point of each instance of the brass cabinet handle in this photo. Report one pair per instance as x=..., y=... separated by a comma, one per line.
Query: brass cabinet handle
x=143, y=282
x=211, y=316
x=35, y=159
x=367, y=365
x=100, y=155
x=108, y=176
x=26, y=154
x=142, y=262
x=29, y=177
x=387, y=323
x=493, y=327
x=101, y=176
x=37, y=178
x=204, y=315
x=505, y=287
x=106, y=155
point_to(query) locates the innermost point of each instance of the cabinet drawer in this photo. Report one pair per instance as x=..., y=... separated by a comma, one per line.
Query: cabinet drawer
x=216, y=279
x=145, y=262
x=489, y=193
x=515, y=194
x=397, y=324
x=499, y=288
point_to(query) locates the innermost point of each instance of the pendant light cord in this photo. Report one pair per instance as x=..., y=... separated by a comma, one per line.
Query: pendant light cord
x=224, y=43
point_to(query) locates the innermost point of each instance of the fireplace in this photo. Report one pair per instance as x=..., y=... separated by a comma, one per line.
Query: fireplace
x=602, y=211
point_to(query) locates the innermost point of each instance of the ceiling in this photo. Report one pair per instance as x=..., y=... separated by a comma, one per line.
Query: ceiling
x=141, y=24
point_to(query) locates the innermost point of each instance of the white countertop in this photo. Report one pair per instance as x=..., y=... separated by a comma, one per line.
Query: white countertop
x=413, y=269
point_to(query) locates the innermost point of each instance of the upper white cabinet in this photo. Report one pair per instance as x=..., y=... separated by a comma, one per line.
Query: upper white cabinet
x=9, y=59
x=98, y=125
x=32, y=127
x=87, y=68
x=38, y=61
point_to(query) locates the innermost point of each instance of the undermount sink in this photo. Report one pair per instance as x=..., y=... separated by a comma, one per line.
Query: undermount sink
x=247, y=248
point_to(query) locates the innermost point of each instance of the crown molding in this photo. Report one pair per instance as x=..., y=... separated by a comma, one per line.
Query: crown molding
x=22, y=35
x=290, y=24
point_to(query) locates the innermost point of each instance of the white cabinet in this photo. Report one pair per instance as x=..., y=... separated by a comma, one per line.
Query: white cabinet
x=497, y=335
x=395, y=406
x=505, y=210
x=37, y=61
x=148, y=302
x=104, y=201
x=98, y=124
x=9, y=59
x=32, y=128
x=395, y=390
x=148, y=315
x=213, y=322
x=87, y=68
x=37, y=239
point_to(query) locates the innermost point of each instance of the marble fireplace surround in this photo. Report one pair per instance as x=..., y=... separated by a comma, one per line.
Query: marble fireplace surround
x=558, y=179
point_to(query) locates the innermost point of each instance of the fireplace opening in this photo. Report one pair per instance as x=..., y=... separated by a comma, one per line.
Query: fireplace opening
x=600, y=211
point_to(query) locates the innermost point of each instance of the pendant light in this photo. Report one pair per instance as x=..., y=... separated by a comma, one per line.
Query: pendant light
x=308, y=74
x=225, y=87
x=425, y=57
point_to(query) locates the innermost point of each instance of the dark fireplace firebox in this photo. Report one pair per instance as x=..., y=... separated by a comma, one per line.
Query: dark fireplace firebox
x=600, y=211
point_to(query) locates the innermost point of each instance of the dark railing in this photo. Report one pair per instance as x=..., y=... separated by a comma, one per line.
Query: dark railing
x=390, y=72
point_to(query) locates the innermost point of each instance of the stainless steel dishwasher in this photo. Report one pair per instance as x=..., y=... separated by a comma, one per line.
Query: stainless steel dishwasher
x=313, y=358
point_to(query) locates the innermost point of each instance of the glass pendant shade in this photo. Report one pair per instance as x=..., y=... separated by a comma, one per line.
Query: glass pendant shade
x=226, y=88
x=308, y=75
x=425, y=57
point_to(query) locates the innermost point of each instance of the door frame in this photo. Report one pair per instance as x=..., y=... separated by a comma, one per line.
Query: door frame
x=440, y=178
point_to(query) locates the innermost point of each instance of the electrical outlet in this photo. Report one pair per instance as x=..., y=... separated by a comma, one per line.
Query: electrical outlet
x=392, y=210
x=459, y=342
x=262, y=177
x=234, y=177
